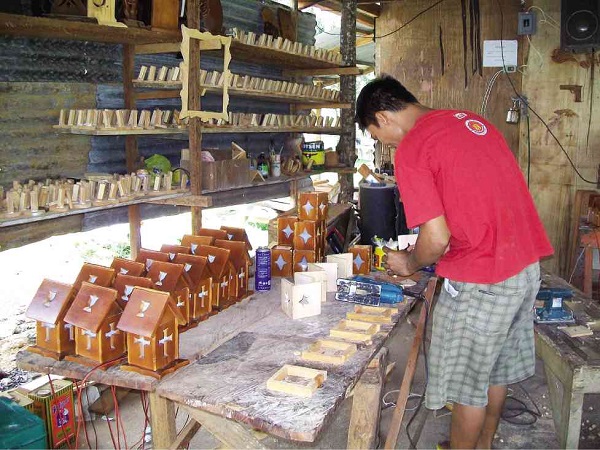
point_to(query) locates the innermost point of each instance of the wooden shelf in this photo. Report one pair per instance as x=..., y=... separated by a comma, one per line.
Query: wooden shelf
x=225, y=129
x=25, y=219
x=41, y=27
x=240, y=92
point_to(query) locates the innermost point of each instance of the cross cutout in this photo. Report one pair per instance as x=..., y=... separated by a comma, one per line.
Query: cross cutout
x=180, y=302
x=164, y=341
x=143, y=344
x=203, y=293
x=111, y=335
x=242, y=277
x=48, y=327
x=69, y=327
x=90, y=336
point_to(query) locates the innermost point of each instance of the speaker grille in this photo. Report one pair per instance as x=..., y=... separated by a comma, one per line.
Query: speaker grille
x=582, y=25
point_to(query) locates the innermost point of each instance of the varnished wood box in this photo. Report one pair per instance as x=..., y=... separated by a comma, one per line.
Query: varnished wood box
x=54, y=337
x=313, y=205
x=306, y=235
x=151, y=321
x=229, y=173
x=302, y=258
x=285, y=230
x=95, y=313
x=282, y=261
x=172, y=250
x=362, y=258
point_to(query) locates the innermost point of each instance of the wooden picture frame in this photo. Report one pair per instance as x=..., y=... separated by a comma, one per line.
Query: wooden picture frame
x=280, y=381
x=329, y=352
x=207, y=41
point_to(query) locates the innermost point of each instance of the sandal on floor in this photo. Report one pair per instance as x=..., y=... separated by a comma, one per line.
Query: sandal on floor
x=444, y=445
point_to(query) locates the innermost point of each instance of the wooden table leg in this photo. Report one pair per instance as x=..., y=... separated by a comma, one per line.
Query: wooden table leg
x=162, y=419
x=229, y=432
x=567, y=408
x=363, y=429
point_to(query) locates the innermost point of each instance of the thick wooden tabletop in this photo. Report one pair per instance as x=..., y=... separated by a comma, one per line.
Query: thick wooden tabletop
x=581, y=352
x=231, y=381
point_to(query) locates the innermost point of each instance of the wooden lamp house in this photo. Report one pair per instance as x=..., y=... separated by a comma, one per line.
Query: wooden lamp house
x=237, y=234
x=217, y=234
x=168, y=277
x=95, y=313
x=128, y=267
x=199, y=279
x=54, y=337
x=94, y=274
x=151, y=321
x=193, y=241
x=240, y=259
x=147, y=257
x=124, y=285
x=173, y=249
x=220, y=269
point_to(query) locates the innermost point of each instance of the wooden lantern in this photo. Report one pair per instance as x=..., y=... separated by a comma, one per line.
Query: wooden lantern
x=306, y=235
x=362, y=257
x=172, y=250
x=241, y=262
x=194, y=241
x=237, y=234
x=94, y=274
x=331, y=269
x=323, y=206
x=151, y=321
x=124, y=285
x=168, y=277
x=300, y=300
x=217, y=234
x=308, y=206
x=218, y=259
x=149, y=256
x=95, y=313
x=54, y=337
x=127, y=267
x=285, y=230
x=199, y=279
x=302, y=258
x=282, y=264
x=344, y=262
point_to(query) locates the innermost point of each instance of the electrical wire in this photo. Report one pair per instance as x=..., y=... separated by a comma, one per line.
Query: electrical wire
x=409, y=21
x=488, y=91
x=510, y=412
x=528, y=151
x=526, y=103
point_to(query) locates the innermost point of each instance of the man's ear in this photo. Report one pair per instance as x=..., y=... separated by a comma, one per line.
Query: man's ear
x=382, y=118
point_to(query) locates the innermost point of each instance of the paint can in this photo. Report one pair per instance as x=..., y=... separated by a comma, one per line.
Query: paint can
x=275, y=165
x=262, y=276
x=313, y=154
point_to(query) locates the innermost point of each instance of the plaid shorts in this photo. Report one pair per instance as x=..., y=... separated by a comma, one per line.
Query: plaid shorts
x=482, y=335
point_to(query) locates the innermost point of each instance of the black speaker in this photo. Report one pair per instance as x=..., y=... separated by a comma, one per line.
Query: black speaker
x=580, y=25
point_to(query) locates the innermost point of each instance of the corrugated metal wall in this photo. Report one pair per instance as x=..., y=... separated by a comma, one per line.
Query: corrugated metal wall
x=38, y=77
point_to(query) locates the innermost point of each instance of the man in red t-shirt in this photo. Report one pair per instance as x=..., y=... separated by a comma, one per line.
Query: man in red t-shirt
x=460, y=183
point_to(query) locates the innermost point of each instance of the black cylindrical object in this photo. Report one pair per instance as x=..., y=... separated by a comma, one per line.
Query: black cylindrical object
x=381, y=212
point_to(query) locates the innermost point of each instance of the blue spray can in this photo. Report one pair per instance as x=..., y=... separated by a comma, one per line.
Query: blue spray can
x=262, y=276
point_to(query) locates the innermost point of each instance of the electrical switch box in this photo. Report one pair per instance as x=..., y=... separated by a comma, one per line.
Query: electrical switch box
x=526, y=24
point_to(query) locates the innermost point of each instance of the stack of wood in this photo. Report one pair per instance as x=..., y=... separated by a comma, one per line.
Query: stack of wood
x=119, y=119
x=58, y=195
x=286, y=45
x=301, y=237
x=282, y=120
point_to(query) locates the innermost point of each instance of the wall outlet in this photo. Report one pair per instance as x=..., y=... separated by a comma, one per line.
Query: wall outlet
x=526, y=24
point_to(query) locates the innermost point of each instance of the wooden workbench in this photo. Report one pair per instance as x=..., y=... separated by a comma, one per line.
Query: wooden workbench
x=572, y=365
x=244, y=345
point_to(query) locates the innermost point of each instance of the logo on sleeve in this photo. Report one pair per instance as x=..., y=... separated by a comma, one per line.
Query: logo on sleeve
x=460, y=115
x=476, y=127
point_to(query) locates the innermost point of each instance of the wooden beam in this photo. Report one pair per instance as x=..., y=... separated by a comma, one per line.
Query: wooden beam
x=314, y=72
x=323, y=105
x=201, y=201
x=186, y=435
x=151, y=49
x=162, y=418
x=362, y=17
x=157, y=94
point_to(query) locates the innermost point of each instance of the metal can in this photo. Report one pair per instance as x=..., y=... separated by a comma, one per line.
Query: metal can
x=262, y=276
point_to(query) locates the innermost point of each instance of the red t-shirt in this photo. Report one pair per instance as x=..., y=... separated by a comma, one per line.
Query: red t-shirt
x=457, y=164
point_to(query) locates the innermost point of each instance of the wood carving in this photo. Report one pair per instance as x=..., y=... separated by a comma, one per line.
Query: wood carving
x=373, y=314
x=282, y=264
x=307, y=235
x=199, y=279
x=104, y=12
x=329, y=352
x=331, y=271
x=285, y=230
x=362, y=259
x=355, y=331
x=237, y=234
x=302, y=258
x=225, y=43
x=297, y=380
x=220, y=269
x=94, y=274
x=344, y=262
x=318, y=276
x=95, y=313
x=217, y=234
x=241, y=263
x=54, y=337
x=168, y=277
x=172, y=250
x=151, y=321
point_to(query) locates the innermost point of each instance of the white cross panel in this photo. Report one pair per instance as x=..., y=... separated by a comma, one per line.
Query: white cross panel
x=69, y=327
x=202, y=294
x=48, y=327
x=90, y=336
x=165, y=340
x=180, y=302
x=143, y=344
x=111, y=335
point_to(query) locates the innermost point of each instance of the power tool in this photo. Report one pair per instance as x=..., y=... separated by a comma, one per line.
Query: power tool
x=367, y=291
x=549, y=306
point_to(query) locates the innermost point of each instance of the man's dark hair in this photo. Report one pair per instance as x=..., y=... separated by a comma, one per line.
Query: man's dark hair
x=382, y=94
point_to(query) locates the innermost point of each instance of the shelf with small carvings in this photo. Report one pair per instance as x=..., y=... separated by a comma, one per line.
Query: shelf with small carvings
x=211, y=129
x=27, y=217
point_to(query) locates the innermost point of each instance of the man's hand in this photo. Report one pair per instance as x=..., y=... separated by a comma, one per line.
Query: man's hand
x=398, y=262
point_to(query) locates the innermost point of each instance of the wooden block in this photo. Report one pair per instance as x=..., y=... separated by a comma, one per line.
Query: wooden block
x=282, y=264
x=300, y=300
x=355, y=331
x=142, y=73
x=152, y=73
x=344, y=262
x=331, y=271
x=305, y=235
x=302, y=258
x=162, y=73
x=577, y=331
x=308, y=206
x=297, y=380
x=318, y=276
x=372, y=314
x=362, y=259
x=329, y=352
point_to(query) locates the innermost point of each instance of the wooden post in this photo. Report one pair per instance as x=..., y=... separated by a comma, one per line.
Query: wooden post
x=131, y=148
x=346, y=146
x=363, y=430
x=195, y=125
x=162, y=419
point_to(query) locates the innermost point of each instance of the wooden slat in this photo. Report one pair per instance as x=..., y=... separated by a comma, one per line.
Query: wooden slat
x=156, y=94
x=207, y=129
x=190, y=200
x=186, y=435
x=41, y=27
x=151, y=49
x=271, y=56
x=329, y=71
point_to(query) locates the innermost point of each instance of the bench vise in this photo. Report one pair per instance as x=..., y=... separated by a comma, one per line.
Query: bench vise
x=367, y=291
x=549, y=306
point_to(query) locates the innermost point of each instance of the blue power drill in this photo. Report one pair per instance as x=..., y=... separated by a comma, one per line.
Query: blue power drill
x=367, y=291
x=551, y=308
